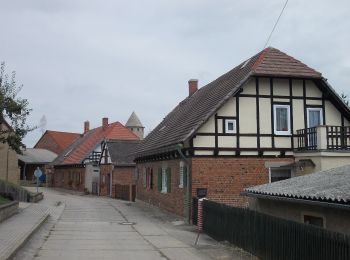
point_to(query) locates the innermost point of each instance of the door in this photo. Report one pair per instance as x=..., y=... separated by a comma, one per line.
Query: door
x=108, y=184
x=314, y=118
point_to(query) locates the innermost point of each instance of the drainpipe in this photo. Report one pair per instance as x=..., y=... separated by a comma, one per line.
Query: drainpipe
x=187, y=202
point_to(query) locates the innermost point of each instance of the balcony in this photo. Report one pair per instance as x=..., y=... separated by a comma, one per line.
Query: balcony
x=324, y=138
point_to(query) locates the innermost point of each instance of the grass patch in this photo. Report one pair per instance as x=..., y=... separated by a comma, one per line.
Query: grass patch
x=3, y=200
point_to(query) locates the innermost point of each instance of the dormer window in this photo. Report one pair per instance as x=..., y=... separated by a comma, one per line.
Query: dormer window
x=281, y=119
x=230, y=126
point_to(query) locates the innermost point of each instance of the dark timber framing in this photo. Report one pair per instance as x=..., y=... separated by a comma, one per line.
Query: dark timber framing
x=237, y=124
x=257, y=114
x=272, y=115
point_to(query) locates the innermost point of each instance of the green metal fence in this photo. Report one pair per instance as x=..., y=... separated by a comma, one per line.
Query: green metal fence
x=273, y=238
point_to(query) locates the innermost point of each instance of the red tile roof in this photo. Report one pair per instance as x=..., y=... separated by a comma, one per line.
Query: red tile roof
x=274, y=62
x=63, y=139
x=56, y=141
x=83, y=146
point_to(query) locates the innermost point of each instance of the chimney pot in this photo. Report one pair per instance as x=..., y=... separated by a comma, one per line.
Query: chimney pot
x=192, y=86
x=104, y=122
x=86, y=126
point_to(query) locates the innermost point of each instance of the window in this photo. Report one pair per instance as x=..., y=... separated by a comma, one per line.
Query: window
x=314, y=116
x=314, y=220
x=230, y=126
x=164, y=180
x=149, y=178
x=281, y=119
x=277, y=174
x=183, y=175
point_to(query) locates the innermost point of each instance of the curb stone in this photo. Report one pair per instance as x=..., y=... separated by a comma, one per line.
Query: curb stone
x=21, y=241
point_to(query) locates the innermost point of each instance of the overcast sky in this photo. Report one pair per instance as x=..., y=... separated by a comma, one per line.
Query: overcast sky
x=83, y=60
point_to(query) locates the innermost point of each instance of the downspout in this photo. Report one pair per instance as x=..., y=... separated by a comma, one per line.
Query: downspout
x=188, y=196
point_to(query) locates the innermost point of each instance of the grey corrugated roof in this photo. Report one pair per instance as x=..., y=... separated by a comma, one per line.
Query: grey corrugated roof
x=190, y=114
x=330, y=186
x=37, y=156
x=133, y=121
x=122, y=152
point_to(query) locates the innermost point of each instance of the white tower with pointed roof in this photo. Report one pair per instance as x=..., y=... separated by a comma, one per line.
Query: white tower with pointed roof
x=135, y=125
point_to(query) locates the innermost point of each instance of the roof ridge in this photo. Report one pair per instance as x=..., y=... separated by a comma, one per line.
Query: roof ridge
x=261, y=57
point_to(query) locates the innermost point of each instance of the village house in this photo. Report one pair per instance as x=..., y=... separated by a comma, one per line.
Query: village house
x=9, y=170
x=56, y=141
x=268, y=119
x=78, y=168
x=321, y=199
x=117, y=169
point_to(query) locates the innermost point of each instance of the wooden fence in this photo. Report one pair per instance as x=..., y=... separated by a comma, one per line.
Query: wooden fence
x=273, y=238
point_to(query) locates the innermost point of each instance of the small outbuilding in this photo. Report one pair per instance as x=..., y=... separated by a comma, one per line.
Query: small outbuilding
x=33, y=158
x=320, y=199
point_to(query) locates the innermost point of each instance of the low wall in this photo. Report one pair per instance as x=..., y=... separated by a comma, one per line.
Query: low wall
x=8, y=209
x=35, y=197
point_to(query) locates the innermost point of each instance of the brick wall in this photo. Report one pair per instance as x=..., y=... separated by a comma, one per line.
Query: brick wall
x=225, y=178
x=46, y=142
x=9, y=169
x=172, y=201
x=120, y=175
x=62, y=178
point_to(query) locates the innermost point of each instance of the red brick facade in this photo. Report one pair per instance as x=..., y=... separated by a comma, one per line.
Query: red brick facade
x=69, y=178
x=172, y=201
x=120, y=175
x=224, y=179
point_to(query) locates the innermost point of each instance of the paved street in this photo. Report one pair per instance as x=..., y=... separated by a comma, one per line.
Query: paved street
x=102, y=228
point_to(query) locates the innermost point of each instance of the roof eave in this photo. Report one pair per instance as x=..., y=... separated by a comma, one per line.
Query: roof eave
x=294, y=200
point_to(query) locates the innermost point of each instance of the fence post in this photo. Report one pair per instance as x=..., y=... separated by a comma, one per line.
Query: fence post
x=199, y=219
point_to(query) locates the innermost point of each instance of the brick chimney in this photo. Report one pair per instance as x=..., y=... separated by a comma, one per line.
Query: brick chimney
x=86, y=126
x=104, y=122
x=192, y=86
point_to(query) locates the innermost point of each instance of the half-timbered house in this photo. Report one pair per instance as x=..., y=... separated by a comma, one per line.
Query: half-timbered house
x=270, y=118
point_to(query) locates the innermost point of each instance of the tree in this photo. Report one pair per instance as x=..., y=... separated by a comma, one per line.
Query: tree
x=13, y=110
x=345, y=99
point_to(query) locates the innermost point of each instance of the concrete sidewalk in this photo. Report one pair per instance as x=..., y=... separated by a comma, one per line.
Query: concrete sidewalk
x=15, y=231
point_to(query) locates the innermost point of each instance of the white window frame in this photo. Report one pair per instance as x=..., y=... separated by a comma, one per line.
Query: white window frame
x=227, y=122
x=319, y=109
x=164, y=181
x=181, y=174
x=275, y=119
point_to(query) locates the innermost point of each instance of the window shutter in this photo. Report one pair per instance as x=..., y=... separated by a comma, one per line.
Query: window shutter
x=168, y=179
x=144, y=179
x=185, y=176
x=160, y=179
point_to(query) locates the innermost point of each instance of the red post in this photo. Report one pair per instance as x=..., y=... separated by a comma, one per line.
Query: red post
x=199, y=218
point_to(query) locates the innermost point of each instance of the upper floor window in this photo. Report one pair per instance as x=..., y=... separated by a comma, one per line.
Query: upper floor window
x=230, y=126
x=281, y=119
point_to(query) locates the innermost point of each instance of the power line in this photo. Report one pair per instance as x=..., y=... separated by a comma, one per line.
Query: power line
x=274, y=27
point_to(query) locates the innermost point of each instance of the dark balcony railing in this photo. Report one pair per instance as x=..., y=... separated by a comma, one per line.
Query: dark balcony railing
x=307, y=138
x=333, y=138
x=338, y=137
